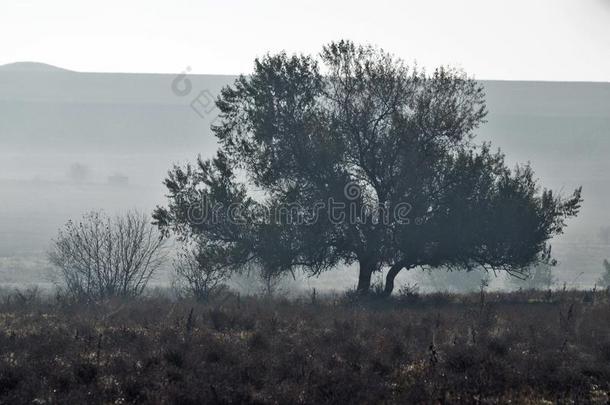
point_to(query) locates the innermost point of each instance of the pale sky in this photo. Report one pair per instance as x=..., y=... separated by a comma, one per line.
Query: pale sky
x=489, y=39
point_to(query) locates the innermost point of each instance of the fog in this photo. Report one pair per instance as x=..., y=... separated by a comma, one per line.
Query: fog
x=72, y=142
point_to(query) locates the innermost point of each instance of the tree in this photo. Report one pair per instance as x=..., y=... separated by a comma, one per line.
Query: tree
x=389, y=145
x=101, y=257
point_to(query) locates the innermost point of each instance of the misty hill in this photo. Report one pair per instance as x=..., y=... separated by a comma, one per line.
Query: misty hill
x=561, y=127
x=134, y=126
x=30, y=67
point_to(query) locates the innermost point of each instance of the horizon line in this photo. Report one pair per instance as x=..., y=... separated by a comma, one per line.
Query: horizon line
x=59, y=69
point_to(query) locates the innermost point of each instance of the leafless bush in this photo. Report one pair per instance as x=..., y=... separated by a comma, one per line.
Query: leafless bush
x=101, y=257
x=408, y=293
x=196, y=275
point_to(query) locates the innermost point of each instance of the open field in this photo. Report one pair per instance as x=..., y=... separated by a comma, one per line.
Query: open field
x=524, y=347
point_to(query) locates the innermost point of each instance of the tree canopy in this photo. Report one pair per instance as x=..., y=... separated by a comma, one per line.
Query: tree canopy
x=355, y=157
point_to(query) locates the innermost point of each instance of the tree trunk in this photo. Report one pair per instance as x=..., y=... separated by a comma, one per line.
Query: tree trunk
x=364, y=277
x=389, y=280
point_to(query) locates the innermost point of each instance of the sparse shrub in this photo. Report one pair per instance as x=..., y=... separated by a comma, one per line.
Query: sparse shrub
x=197, y=274
x=101, y=257
x=28, y=296
x=408, y=293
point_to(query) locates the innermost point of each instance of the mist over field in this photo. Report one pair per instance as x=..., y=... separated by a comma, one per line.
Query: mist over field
x=72, y=142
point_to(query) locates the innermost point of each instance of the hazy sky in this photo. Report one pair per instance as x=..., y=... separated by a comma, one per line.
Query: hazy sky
x=499, y=39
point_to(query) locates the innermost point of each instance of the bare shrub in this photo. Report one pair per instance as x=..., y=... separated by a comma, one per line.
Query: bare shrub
x=101, y=257
x=196, y=274
x=408, y=293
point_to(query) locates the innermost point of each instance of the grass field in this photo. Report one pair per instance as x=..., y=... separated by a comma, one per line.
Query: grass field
x=522, y=347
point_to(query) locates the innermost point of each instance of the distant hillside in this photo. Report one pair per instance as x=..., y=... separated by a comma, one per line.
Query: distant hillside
x=69, y=112
x=30, y=67
x=562, y=128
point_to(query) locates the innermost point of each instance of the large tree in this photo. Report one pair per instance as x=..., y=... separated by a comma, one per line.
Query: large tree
x=367, y=160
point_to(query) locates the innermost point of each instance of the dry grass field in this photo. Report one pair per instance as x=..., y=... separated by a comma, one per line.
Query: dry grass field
x=522, y=347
